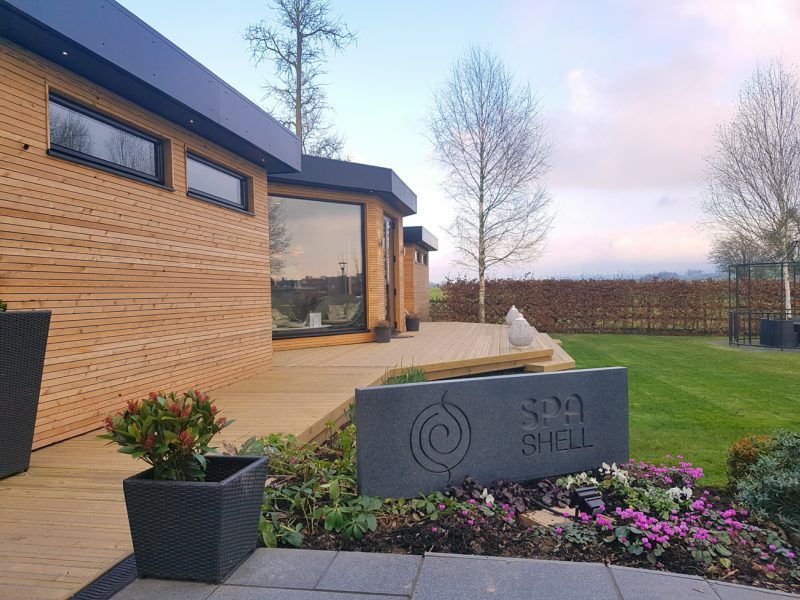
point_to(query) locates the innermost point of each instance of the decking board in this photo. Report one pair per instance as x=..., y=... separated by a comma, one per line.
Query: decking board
x=63, y=524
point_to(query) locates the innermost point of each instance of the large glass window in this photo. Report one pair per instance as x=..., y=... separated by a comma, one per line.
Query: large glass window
x=211, y=181
x=317, y=264
x=82, y=134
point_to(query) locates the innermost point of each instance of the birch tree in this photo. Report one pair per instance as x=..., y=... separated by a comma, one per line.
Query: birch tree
x=490, y=139
x=754, y=174
x=297, y=43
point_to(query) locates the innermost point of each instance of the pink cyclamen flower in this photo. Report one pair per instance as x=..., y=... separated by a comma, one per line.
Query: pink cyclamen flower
x=472, y=500
x=770, y=567
x=773, y=547
x=441, y=507
x=559, y=530
x=471, y=522
x=434, y=529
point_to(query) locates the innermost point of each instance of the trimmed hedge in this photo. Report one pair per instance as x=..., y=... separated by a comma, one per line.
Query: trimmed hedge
x=653, y=306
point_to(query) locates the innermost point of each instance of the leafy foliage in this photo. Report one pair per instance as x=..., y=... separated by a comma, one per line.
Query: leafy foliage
x=743, y=454
x=653, y=306
x=771, y=487
x=171, y=432
x=408, y=375
x=312, y=486
x=3, y=306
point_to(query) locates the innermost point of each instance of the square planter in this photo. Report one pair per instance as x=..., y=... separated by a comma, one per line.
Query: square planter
x=383, y=335
x=196, y=530
x=23, y=341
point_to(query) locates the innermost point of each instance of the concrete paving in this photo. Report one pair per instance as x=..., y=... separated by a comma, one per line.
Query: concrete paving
x=322, y=575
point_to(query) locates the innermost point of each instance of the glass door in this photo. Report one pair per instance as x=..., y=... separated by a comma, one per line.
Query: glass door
x=390, y=260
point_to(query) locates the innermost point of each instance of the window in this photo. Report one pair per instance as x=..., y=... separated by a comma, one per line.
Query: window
x=210, y=181
x=83, y=135
x=317, y=265
x=421, y=257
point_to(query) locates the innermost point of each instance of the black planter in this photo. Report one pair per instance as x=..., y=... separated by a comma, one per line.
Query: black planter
x=412, y=324
x=196, y=530
x=23, y=341
x=383, y=335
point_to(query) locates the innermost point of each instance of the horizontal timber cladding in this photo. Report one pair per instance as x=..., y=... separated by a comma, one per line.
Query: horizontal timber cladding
x=417, y=279
x=376, y=292
x=150, y=289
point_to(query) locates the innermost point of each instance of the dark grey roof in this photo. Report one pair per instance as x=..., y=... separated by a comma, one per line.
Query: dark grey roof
x=346, y=175
x=103, y=42
x=421, y=237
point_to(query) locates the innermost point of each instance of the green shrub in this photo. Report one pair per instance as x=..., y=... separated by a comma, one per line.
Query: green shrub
x=171, y=432
x=3, y=306
x=743, y=454
x=771, y=487
x=409, y=375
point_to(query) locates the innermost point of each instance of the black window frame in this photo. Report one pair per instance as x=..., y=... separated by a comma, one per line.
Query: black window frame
x=244, y=189
x=93, y=161
x=299, y=333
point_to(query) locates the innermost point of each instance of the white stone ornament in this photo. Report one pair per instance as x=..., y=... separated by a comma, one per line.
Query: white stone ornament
x=512, y=315
x=520, y=334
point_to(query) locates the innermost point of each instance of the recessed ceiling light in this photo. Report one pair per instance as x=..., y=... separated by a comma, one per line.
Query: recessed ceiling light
x=65, y=53
x=191, y=120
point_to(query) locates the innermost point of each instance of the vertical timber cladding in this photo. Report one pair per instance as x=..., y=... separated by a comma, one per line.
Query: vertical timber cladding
x=515, y=427
x=375, y=208
x=149, y=289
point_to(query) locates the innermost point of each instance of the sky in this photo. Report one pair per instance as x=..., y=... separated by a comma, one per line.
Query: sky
x=631, y=92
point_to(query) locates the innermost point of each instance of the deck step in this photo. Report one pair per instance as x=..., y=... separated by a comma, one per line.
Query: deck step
x=549, y=366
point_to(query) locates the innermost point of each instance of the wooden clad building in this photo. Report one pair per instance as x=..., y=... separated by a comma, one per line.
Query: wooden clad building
x=418, y=242
x=136, y=190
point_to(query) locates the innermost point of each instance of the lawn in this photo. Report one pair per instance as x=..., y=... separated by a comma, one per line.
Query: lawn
x=694, y=397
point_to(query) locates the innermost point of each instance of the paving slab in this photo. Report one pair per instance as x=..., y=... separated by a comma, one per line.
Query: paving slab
x=368, y=572
x=283, y=568
x=162, y=589
x=453, y=577
x=731, y=591
x=233, y=592
x=639, y=584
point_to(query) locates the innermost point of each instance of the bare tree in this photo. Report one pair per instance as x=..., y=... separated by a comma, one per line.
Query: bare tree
x=131, y=151
x=279, y=238
x=298, y=43
x=754, y=175
x=736, y=248
x=489, y=137
x=69, y=129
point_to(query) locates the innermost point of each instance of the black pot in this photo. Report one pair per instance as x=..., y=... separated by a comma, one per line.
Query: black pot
x=23, y=341
x=383, y=335
x=412, y=324
x=196, y=530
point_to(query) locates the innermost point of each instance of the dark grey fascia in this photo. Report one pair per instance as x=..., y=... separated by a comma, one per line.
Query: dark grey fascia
x=421, y=237
x=108, y=45
x=356, y=177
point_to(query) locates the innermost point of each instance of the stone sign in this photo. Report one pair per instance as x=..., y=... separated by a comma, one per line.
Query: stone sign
x=421, y=437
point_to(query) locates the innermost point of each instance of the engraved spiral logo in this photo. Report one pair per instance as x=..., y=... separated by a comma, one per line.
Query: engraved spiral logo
x=440, y=437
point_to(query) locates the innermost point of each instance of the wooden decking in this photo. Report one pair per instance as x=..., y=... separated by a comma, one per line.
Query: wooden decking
x=64, y=523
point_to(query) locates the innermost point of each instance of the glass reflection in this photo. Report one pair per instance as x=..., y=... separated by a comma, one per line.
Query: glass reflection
x=316, y=258
x=81, y=133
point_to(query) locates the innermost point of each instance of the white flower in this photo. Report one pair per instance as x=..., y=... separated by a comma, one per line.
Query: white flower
x=490, y=500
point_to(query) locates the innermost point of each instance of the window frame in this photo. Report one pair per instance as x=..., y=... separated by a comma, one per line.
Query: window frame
x=244, y=188
x=299, y=333
x=93, y=161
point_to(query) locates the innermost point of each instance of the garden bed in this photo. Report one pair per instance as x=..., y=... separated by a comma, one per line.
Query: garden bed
x=655, y=516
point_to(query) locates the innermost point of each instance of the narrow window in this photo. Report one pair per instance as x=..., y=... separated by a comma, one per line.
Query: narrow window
x=210, y=181
x=83, y=135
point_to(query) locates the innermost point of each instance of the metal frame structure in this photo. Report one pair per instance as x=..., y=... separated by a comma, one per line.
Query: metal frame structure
x=746, y=318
